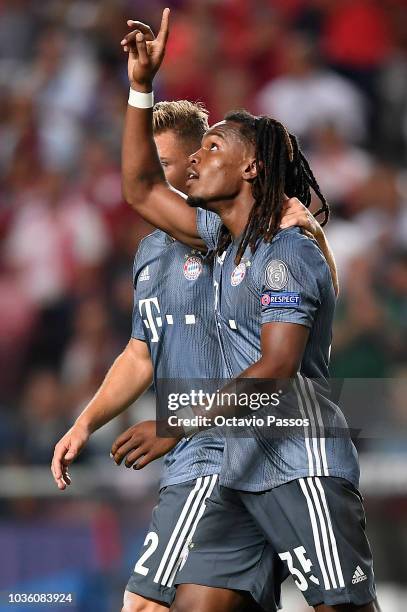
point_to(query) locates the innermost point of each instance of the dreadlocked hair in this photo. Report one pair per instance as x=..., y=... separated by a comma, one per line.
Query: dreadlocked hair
x=282, y=169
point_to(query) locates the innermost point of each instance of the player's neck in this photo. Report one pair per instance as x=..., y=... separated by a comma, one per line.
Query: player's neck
x=236, y=213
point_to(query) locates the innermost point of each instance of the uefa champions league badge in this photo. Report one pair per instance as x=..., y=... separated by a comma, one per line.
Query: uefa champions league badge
x=276, y=275
x=192, y=267
x=238, y=274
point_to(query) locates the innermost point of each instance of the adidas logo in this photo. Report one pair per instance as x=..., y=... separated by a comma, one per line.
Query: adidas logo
x=359, y=575
x=184, y=554
x=144, y=275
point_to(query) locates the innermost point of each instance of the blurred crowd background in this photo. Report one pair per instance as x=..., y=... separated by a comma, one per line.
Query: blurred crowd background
x=335, y=72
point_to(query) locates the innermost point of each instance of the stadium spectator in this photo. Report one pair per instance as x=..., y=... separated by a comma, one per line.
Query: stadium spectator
x=308, y=94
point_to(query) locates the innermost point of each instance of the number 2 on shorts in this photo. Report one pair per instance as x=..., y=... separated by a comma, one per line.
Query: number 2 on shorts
x=152, y=541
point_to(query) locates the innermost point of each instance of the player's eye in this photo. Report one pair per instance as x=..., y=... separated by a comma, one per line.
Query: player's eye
x=213, y=146
x=164, y=163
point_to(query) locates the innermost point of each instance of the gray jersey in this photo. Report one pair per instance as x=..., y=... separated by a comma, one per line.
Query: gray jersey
x=173, y=313
x=287, y=280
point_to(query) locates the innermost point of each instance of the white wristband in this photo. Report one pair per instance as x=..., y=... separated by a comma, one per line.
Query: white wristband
x=141, y=100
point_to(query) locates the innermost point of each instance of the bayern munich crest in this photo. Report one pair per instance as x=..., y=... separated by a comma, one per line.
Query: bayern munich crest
x=238, y=274
x=276, y=275
x=192, y=268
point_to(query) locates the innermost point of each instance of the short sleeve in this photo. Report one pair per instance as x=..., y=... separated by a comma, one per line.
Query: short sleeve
x=137, y=328
x=294, y=280
x=208, y=225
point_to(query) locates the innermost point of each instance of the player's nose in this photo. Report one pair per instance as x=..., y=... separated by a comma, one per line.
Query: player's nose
x=194, y=159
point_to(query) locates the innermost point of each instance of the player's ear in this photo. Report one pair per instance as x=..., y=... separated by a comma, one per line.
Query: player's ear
x=250, y=170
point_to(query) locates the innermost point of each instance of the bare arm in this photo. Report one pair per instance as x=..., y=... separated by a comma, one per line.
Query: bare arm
x=282, y=349
x=144, y=184
x=295, y=213
x=329, y=256
x=130, y=375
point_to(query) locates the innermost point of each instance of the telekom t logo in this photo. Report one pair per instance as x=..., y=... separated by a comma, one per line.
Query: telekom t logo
x=151, y=321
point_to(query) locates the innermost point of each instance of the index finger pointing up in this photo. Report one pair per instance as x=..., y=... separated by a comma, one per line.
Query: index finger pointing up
x=162, y=35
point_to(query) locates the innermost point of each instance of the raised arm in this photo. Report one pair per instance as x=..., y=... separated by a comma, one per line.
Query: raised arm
x=144, y=185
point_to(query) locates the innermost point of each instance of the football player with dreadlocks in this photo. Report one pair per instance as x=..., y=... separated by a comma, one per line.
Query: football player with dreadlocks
x=274, y=306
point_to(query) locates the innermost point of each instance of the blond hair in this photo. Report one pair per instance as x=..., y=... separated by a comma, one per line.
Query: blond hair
x=189, y=120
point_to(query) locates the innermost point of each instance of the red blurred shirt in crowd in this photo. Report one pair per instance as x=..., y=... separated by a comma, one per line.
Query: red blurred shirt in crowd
x=357, y=34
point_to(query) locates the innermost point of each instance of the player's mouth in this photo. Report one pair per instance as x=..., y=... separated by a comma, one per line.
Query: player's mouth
x=192, y=176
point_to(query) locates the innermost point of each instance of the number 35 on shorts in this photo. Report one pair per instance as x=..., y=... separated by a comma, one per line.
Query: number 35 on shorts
x=300, y=557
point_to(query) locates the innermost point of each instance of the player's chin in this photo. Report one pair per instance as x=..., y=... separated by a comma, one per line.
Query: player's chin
x=192, y=188
x=196, y=201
